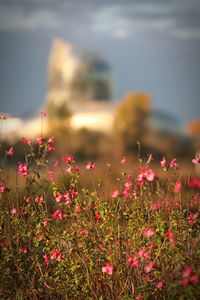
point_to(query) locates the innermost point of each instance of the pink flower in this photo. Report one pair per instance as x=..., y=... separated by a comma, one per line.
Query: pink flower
x=169, y=235
x=58, y=215
x=143, y=254
x=194, y=182
x=150, y=174
x=192, y=218
x=2, y=187
x=149, y=232
x=14, y=211
x=152, y=245
x=155, y=206
x=66, y=196
x=134, y=263
x=23, y=249
x=149, y=267
x=145, y=174
x=160, y=284
x=196, y=160
x=58, y=197
x=84, y=233
x=90, y=166
x=97, y=216
x=187, y=272
x=163, y=162
x=55, y=253
x=173, y=163
x=3, y=117
x=69, y=169
x=50, y=148
x=39, y=140
x=194, y=278
x=23, y=169
x=43, y=114
x=68, y=159
x=108, y=269
x=45, y=223
x=185, y=282
x=46, y=260
x=101, y=246
x=123, y=160
x=11, y=151
x=26, y=140
x=115, y=194
x=39, y=199
x=51, y=140
x=56, y=163
x=28, y=200
x=178, y=187
x=51, y=175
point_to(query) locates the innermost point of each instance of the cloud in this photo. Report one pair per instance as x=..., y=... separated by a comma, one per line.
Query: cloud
x=167, y=18
x=15, y=18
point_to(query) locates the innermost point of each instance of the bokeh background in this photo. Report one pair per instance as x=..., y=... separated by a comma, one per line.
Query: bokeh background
x=106, y=72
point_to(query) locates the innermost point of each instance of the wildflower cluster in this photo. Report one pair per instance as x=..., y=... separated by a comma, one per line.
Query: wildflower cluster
x=137, y=240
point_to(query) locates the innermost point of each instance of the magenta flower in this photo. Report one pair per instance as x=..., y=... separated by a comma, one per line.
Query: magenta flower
x=194, y=278
x=194, y=182
x=160, y=284
x=196, y=160
x=26, y=140
x=108, y=269
x=178, y=186
x=45, y=223
x=69, y=159
x=192, y=218
x=123, y=160
x=57, y=215
x=101, y=246
x=23, y=249
x=185, y=282
x=51, y=140
x=3, y=187
x=173, y=163
x=3, y=117
x=56, y=163
x=97, y=216
x=134, y=263
x=46, y=260
x=163, y=162
x=187, y=272
x=51, y=175
x=23, y=169
x=39, y=140
x=58, y=197
x=115, y=194
x=149, y=267
x=170, y=236
x=43, y=114
x=90, y=166
x=56, y=254
x=11, y=151
x=149, y=232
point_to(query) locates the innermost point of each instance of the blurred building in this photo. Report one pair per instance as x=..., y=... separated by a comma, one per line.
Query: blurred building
x=76, y=76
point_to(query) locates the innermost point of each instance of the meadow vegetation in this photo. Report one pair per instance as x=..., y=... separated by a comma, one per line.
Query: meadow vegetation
x=135, y=237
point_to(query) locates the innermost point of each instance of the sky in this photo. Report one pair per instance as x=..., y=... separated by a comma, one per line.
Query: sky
x=151, y=45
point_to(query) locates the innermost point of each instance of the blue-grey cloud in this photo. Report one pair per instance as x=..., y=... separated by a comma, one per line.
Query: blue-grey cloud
x=116, y=19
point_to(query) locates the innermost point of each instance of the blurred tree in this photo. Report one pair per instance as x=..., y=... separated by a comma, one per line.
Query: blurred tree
x=59, y=118
x=130, y=119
